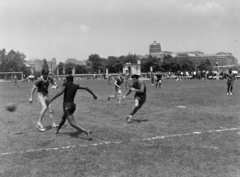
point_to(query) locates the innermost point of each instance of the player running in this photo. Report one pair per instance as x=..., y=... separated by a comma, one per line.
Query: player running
x=230, y=81
x=140, y=96
x=158, y=79
x=42, y=94
x=118, y=92
x=69, y=89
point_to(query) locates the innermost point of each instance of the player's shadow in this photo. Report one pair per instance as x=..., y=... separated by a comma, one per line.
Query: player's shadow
x=76, y=135
x=49, y=127
x=138, y=120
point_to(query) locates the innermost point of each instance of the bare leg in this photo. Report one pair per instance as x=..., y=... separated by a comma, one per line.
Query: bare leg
x=74, y=124
x=136, y=107
x=112, y=96
x=64, y=117
x=50, y=110
x=44, y=108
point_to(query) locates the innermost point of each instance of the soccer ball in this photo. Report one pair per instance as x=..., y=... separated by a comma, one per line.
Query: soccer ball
x=11, y=107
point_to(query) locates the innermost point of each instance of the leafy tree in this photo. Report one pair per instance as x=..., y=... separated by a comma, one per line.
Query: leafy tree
x=68, y=68
x=205, y=65
x=96, y=62
x=114, y=64
x=130, y=59
x=153, y=62
x=186, y=64
x=13, y=61
x=80, y=69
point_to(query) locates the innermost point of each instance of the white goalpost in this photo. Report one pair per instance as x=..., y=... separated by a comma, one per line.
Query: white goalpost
x=9, y=76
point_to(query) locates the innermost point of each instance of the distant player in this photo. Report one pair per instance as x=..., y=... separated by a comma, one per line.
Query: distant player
x=152, y=77
x=109, y=77
x=230, y=81
x=158, y=80
x=126, y=79
x=117, y=86
x=140, y=95
x=69, y=89
x=15, y=81
x=42, y=93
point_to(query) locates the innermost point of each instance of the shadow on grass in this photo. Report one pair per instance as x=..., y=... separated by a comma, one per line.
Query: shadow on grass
x=138, y=120
x=74, y=135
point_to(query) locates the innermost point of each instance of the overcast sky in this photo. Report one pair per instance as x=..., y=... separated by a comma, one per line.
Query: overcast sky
x=78, y=28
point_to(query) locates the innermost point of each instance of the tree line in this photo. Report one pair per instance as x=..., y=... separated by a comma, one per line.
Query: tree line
x=15, y=61
x=114, y=64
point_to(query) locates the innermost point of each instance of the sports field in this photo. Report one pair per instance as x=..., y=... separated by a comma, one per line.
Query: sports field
x=187, y=128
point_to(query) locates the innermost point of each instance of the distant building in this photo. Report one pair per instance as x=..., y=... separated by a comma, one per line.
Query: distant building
x=52, y=65
x=155, y=51
x=37, y=65
x=132, y=68
x=220, y=59
x=75, y=61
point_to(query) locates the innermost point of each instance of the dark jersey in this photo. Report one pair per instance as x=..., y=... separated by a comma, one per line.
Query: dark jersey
x=70, y=92
x=42, y=85
x=119, y=81
x=230, y=78
x=159, y=76
x=137, y=85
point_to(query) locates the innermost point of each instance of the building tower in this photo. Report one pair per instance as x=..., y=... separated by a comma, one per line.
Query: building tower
x=155, y=49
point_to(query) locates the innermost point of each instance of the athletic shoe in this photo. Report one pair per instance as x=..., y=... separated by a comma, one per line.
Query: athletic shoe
x=227, y=93
x=128, y=119
x=40, y=127
x=89, y=134
x=230, y=93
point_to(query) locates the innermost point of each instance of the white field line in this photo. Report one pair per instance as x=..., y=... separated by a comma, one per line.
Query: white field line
x=119, y=142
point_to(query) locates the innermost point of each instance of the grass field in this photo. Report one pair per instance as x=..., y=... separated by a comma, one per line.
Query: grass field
x=191, y=129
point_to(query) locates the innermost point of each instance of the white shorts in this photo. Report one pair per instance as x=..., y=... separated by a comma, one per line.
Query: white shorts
x=42, y=100
x=119, y=92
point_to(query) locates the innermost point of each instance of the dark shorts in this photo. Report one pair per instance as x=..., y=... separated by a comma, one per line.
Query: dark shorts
x=230, y=82
x=69, y=108
x=141, y=100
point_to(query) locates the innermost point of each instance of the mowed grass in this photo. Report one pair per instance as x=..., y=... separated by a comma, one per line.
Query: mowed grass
x=119, y=149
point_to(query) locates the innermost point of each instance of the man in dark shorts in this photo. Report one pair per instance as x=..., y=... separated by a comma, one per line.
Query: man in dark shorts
x=230, y=81
x=69, y=89
x=158, y=79
x=140, y=96
x=118, y=91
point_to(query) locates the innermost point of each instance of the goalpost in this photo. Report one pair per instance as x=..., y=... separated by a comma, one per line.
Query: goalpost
x=8, y=76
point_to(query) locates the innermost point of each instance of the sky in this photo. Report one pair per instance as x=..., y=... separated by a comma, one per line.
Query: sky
x=64, y=29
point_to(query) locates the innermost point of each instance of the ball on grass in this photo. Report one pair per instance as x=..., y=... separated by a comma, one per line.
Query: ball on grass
x=11, y=107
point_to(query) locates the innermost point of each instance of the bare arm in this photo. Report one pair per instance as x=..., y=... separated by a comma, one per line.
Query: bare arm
x=32, y=93
x=115, y=83
x=57, y=95
x=87, y=89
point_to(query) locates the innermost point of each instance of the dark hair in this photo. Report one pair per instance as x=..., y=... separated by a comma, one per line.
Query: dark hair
x=44, y=71
x=135, y=76
x=69, y=78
